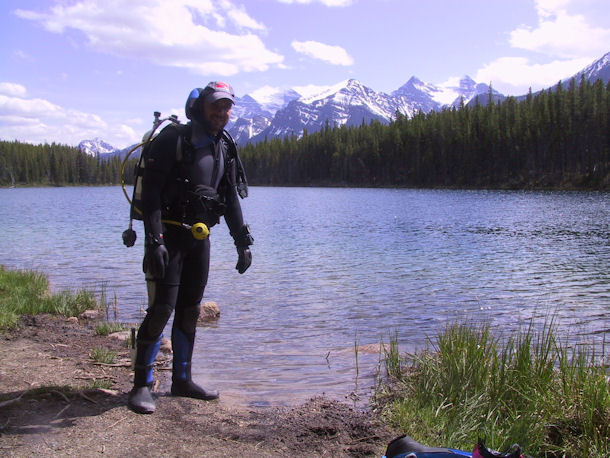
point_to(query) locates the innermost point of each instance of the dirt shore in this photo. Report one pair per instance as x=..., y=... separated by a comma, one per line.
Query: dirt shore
x=49, y=408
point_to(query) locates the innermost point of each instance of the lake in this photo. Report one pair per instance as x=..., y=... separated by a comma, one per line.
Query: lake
x=335, y=268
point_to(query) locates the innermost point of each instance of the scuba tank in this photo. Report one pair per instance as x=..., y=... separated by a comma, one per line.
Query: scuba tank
x=136, y=200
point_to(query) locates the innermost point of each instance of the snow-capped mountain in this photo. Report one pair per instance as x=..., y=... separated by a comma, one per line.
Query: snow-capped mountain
x=96, y=146
x=253, y=113
x=348, y=103
x=419, y=94
x=270, y=113
x=249, y=119
x=272, y=99
x=428, y=97
x=598, y=70
x=352, y=103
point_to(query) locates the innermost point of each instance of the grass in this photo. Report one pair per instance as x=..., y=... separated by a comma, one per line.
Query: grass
x=103, y=355
x=105, y=305
x=100, y=383
x=531, y=389
x=27, y=293
x=104, y=328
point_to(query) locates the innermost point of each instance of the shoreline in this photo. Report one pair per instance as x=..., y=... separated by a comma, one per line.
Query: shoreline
x=59, y=390
x=51, y=405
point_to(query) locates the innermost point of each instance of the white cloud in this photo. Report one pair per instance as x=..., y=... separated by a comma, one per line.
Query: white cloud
x=565, y=42
x=22, y=55
x=333, y=54
x=36, y=120
x=561, y=34
x=13, y=89
x=324, y=2
x=241, y=18
x=546, y=8
x=515, y=75
x=174, y=34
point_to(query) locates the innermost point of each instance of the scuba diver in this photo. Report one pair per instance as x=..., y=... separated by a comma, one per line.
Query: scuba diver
x=191, y=177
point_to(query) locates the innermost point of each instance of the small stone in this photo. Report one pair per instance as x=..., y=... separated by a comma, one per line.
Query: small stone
x=90, y=315
x=209, y=312
x=166, y=346
x=121, y=336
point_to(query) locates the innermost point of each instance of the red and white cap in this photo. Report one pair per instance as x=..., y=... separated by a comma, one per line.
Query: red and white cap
x=217, y=90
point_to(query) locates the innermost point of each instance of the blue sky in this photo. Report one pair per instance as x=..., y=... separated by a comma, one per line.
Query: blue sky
x=79, y=69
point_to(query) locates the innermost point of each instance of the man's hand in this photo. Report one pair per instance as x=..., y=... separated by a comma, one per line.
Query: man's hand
x=156, y=258
x=244, y=259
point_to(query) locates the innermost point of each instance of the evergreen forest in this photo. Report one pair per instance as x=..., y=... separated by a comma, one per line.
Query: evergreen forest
x=558, y=138
x=555, y=139
x=23, y=164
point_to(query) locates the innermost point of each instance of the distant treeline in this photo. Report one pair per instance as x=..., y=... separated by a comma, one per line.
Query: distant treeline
x=558, y=138
x=54, y=165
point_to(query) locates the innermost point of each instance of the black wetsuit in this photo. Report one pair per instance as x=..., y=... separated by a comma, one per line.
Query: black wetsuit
x=194, y=189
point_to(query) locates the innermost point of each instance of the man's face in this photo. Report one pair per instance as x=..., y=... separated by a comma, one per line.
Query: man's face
x=216, y=115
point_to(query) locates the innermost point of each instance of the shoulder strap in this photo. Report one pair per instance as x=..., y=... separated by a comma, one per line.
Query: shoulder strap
x=240, y=176
x=179, y=149
x=182, y=141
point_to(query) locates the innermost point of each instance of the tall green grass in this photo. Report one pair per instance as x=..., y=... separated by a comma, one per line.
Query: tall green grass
x=27, y=293
x=103, y=328
x=103, y=355
x=529, y=388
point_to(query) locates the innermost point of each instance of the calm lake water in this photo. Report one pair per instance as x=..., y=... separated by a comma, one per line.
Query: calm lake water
x=333, y=268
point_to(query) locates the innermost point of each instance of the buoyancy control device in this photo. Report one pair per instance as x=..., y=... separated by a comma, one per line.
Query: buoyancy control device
x=199, y=230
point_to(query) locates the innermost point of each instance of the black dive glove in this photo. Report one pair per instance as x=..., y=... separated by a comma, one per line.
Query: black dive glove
x=156, y=257
x=243, y=239
x=244, y=259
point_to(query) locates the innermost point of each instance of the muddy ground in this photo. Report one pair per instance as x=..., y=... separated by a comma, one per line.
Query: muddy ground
x=49, y=408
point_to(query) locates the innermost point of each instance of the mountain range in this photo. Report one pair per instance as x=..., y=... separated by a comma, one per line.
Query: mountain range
x=348, y=103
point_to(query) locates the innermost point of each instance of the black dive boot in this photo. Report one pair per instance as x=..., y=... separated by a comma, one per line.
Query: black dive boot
x=189, y=389
x=182, y=382
x=140, y=398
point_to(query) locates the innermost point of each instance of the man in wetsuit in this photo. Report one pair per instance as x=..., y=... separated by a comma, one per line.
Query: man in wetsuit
x=190, y=176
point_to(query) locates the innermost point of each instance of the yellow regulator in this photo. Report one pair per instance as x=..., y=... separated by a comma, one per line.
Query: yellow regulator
x=200, y=231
